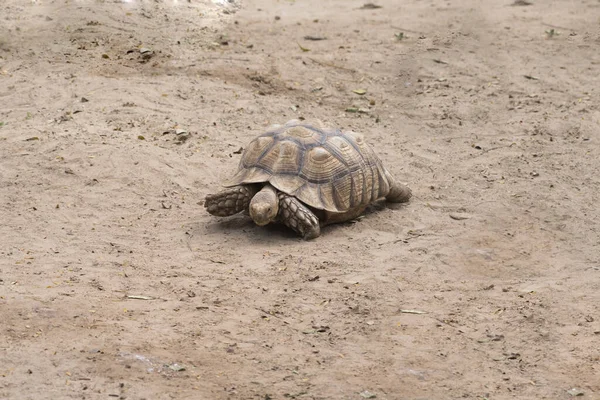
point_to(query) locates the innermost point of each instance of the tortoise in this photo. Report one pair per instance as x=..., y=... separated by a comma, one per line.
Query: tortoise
x=306, y=177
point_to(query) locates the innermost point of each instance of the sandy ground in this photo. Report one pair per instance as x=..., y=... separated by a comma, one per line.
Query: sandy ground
x=119, y=117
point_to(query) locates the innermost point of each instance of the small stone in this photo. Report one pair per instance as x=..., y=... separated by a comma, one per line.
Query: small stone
x=575, y=392
x=176, y=367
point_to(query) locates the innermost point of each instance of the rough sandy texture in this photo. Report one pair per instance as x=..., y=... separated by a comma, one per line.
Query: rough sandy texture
x=494, y=124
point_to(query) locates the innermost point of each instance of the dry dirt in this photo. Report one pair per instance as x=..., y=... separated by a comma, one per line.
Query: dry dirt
x=118, y=117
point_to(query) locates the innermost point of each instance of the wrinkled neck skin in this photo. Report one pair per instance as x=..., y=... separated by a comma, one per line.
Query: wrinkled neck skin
x=264, y=205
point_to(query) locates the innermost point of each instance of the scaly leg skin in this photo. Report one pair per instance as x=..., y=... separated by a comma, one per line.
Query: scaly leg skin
x=399, y=193
x=297, y=216
x=230, y=201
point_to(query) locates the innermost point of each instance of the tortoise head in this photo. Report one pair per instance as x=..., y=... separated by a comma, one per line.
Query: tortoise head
x=264, y=206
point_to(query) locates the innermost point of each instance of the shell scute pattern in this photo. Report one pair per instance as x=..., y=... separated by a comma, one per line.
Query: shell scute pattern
x=325, y=169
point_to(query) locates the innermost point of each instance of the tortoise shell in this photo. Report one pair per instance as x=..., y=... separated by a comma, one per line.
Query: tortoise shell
x=326, y=169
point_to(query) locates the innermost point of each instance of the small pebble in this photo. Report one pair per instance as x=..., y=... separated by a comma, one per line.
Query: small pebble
x=575, y=392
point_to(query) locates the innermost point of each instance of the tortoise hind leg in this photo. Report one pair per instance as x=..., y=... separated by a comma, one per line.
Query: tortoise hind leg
x=399, y=193
x=298, y=217
x=230, y=201
x=336, y=218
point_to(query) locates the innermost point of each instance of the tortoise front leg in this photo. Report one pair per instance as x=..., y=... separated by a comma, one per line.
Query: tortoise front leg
x=230, y=201
x=297, y=216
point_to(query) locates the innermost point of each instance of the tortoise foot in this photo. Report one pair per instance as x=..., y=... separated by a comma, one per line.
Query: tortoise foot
x=399, y=193
x=230, y=201
x=298, y=217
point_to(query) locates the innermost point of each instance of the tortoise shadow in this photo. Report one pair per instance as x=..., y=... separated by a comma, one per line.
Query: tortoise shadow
x=243, y=225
